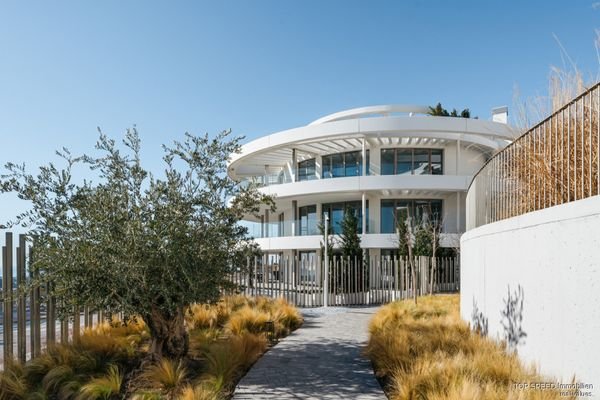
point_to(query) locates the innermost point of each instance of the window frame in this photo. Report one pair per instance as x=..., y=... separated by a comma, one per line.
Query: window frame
x=412, y=160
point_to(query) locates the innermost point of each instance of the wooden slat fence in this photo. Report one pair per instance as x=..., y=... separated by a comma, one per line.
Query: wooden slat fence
x=351, y=282
x=29, y=321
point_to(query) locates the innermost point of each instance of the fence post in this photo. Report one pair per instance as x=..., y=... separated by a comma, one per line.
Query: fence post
x=50, y=316
x=21, y=306
x=7, y=290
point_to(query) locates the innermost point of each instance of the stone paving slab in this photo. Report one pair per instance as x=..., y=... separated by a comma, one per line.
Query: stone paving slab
x=321, y=360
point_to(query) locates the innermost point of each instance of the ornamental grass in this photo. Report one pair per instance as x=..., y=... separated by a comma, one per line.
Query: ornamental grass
x=426, y=351
x=109, y=361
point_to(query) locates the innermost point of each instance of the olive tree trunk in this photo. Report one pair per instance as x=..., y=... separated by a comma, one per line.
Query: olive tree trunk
x=168, y=334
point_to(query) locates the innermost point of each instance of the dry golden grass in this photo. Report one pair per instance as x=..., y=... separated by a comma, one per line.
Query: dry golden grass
x=227, y=360
x=168, y=376
x=225, y=340
x=426, y=351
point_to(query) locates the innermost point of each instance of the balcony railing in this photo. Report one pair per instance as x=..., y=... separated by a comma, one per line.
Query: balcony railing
x=285, y=228
x=553, y=163
x=267, y=180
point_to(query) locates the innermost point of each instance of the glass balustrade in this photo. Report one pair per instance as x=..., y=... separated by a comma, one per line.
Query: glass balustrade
x=285, y=228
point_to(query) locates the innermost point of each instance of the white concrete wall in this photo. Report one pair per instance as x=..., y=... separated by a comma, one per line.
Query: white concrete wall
x=554, y=254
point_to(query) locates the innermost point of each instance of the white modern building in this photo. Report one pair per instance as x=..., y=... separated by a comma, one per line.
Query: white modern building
x=412, y=160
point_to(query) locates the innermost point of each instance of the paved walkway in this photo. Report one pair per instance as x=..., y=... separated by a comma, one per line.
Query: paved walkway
x=321, y=360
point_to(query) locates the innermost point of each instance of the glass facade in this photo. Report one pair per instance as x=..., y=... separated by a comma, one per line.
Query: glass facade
x=403, y=161
x=306, y=170
x=394, y=209
x=343, y=164
x=336, y=214
x=308, y=220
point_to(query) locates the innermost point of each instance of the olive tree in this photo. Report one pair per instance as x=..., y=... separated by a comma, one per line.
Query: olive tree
x=127, y=241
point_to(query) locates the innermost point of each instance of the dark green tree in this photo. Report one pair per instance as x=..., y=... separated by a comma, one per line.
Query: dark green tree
x=352, y=253
x=130, y=242
x=440, y=111
x=349, y=239
x=423, y=240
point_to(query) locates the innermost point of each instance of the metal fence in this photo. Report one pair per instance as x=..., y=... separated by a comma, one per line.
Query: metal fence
x=351, y=282
x=28, y=323
x=553, y=163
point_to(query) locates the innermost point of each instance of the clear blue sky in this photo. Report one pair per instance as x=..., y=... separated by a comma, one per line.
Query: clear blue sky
x=262, y=66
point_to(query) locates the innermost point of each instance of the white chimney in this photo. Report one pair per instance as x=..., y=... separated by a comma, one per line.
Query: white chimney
x=500, y=114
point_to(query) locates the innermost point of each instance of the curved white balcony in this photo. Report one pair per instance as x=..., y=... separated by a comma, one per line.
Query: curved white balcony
x=368, y=241
x=357, y=184
x=342, y=135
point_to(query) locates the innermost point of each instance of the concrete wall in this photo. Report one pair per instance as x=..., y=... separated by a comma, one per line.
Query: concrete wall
x=554, y=254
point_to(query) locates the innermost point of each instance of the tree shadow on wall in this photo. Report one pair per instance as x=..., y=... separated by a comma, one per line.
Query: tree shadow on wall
x=512, y=319
x=478, y=320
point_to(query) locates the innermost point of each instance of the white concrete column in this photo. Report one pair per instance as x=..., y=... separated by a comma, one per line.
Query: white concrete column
x=458, y=157
x=262, y=226
x=266, y=222
x=319, y=212
x=364, y=159
x=364, y=210
x=457, y=212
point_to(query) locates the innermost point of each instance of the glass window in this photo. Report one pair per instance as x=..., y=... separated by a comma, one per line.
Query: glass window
x=387, y=216
x=337, y=165
x=436, y=162
x=352, y=163
x=326, y=170
x=403, y=210
x=306, y=170
x=412, y=161
x=421, y=162
x=336, y=214
x=308, y=220
x=387, y=161
x=404, y=162
x=343, y=164
x=428, y=210
x=393, y=211
x=368, y=163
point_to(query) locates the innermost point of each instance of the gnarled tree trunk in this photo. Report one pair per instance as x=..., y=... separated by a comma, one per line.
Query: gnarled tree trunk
x=168, y=334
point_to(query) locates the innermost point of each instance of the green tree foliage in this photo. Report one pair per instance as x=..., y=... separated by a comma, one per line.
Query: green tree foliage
x=134, y=243
x=440, y=111
x=423, y=240
x=349, y=239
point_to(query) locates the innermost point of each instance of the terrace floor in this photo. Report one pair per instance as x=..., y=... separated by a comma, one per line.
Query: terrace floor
x=321, y=360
